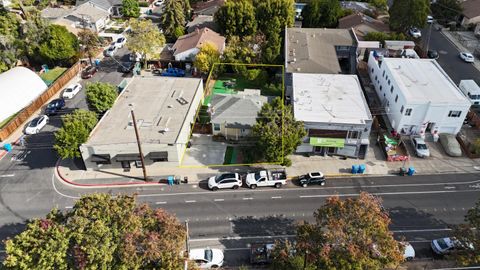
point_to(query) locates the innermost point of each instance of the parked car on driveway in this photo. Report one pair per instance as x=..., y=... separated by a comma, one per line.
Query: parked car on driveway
x=313, y=178
x=467, y=57
x=450, y=145
x=54, y=106
x=36, y=124
x=224, y=180
x=88, y=72
x=120, y=42
x=207, y=258
x=110, y=51
x=158, y=3
x=445, y=245
x=72, y=90
x=415, y=32
x=421, y=149
x=126, y=67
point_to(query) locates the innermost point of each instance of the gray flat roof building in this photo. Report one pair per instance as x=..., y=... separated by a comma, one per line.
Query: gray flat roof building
x=164, y=109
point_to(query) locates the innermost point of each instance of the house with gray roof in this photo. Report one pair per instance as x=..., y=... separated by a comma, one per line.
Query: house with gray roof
x=113, y=7
x=233, y=116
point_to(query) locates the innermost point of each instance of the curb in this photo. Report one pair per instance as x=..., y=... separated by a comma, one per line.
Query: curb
x=3, y=153
x=115, y=184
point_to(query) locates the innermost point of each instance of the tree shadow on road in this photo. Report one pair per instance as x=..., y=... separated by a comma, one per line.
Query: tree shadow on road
x=9, y=231
x=266, y=226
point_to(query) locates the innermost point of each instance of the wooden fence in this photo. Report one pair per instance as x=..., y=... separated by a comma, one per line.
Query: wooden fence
x=28, y=111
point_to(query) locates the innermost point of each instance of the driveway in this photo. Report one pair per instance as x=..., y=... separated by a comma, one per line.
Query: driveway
x=204, y=151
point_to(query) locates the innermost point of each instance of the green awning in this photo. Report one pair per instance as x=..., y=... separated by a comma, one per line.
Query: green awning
x=327, y=142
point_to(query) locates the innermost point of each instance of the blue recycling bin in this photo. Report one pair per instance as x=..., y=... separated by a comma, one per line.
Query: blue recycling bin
x=361, y=168
x=355, y=169
x=97, y=62
x=411, y=171
x=170, y=180
x=7, y=147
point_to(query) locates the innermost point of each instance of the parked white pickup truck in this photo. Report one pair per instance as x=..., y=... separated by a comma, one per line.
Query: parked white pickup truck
x=266, y=178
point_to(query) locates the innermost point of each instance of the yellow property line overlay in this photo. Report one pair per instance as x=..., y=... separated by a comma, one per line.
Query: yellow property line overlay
x=199, y=107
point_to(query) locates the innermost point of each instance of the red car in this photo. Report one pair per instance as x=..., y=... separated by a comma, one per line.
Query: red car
x=88, y=72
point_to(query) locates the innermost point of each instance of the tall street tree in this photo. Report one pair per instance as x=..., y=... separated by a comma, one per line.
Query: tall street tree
x=445, y=11
x=237, y=18
x=130, y=8
x=279, y=134
x=173, y=18
x=101, y=96
x=348, y=234
x=100, y=232
x=60, y=48
x=408, y=13
x=89, y=42
x=468, y=237
x=75, y=130
x=207, y=56
x=321, y=13
x=145, y=38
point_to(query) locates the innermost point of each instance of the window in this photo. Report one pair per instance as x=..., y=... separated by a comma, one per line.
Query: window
x=353, y=134
x=216, y=127
x=388, y=103
x=408, y=112
x=376, y=77
x=372, y=69
x=386, y=78
x=396, y=98
x=391, y=90
x=138, y=163
x=388, y=82
x=383, y=75
x=454, y=113
x=380, y=88
x=401, y=109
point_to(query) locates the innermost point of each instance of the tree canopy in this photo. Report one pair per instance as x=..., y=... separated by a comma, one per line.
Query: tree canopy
x=75, y=130
x=468, y=237
x=101, y=96
x=100, y=232
x=408, y=13
x=89, y=42
x=130, y=8
x=206, y=57
x=279, y=134
x=321, y=13
x=174, y=18
x=236, y=18
x=145, y=38
x=60, y=48
x=347, y=234
x=445, y=11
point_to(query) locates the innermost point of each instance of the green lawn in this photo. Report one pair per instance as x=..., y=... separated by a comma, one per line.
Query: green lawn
x=228, y=155
x=50, y=76
x=4, y=122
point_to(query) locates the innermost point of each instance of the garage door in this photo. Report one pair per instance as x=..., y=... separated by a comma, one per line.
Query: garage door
x=450, y=130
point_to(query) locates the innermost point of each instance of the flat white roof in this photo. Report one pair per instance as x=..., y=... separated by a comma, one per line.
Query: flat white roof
x=160, y=105
x=423, y=80
x=329, y=98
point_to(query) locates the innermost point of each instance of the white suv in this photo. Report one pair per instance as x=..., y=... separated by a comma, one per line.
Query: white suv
x=224, y=180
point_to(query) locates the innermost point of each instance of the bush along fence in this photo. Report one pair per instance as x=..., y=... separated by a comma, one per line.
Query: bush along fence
x=28, y=111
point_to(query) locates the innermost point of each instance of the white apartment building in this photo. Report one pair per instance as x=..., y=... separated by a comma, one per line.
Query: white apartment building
x=418, y=96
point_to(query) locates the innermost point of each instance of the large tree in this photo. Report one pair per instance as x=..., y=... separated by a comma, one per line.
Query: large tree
x=445, y=11
x=279, y=134
x=75, y=130
x=145, y=38
x=100, y=232
x=130, y=8
x=89, y=42
x=237, y=18
x=321, y=13
x=174, y=18
x=348, y=234
x=60, y=48
x=207, y=56
x=408, y=13
x=101, y=96
x=468, y=236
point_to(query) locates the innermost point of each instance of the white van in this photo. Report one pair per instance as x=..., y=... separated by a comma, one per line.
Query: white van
x=470, y=89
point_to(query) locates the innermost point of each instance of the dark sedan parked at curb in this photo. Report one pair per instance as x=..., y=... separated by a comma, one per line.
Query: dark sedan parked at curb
x=126, y=67
x=54, y=106
x=88, y=72
x=313, y=178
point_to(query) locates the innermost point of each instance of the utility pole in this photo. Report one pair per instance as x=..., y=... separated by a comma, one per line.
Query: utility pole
x=427, y=44
x=138, y=143
x=187, y=245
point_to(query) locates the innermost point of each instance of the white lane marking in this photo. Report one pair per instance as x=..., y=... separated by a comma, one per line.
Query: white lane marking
x=55, y=188
x=457, y=268
x=389, y=193
x=219, y=200
x=161, y=203
x=68, y=207
x=2, y=251
x=7, y=175
x=422, y=230
x=249, y=198
x=449, y=187
x=276, y=197
x=191, y=201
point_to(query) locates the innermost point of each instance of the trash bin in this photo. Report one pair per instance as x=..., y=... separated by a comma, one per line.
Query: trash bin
x=403, y=171
x=411, y=171
x=177, y=180
x=354, y=169
x=361, y=168
x=7, y=147
x=185, y=179
x=170, y=180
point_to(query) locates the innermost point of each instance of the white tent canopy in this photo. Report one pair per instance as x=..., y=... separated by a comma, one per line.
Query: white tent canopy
x=19, y=86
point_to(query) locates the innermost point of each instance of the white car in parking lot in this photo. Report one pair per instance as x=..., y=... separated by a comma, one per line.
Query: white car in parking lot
x=36, y=124
x=207, y=258
x=72, y=90
x=225, y=180
x=467, y=57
